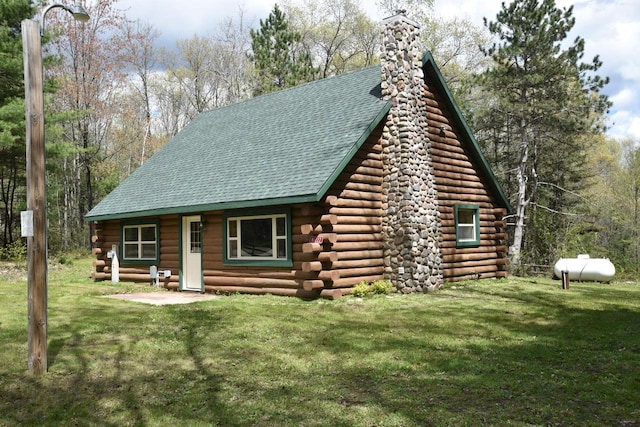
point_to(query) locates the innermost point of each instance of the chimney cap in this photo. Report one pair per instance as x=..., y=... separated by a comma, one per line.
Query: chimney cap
x=400, y=16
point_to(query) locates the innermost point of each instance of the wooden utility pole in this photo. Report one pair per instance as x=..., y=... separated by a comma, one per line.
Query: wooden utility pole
x=36, y=197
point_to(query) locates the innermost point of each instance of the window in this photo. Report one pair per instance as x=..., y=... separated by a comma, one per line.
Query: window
x=195, y=237
x=258, y=239
x=467, y=225
x=140, y=242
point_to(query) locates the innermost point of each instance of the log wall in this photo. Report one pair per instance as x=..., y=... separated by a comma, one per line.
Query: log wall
x=337, y=243
x=459, y=182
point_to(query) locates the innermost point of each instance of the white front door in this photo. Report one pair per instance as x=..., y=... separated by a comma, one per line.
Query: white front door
x=191, y=253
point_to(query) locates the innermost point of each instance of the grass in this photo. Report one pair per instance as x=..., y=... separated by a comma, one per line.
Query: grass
x=514, y=352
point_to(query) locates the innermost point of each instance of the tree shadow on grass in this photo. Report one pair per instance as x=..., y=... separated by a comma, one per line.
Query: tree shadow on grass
x=94, y=376
x=527, y=361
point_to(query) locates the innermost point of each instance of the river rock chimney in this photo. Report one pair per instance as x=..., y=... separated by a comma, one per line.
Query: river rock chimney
x=411, y=220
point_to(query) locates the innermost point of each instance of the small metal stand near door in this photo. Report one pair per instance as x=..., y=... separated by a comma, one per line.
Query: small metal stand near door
x=192, y=253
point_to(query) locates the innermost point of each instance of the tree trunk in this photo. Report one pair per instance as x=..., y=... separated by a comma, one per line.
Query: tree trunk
x=523, y=202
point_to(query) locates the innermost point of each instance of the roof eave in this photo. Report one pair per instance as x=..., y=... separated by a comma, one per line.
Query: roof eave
x=185, y=210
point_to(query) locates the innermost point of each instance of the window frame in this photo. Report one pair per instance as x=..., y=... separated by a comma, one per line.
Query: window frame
x=272, y=261
x=139, y=224
x=460, y=242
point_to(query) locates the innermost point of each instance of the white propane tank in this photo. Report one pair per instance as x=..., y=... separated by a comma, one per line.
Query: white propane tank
x=586, y=269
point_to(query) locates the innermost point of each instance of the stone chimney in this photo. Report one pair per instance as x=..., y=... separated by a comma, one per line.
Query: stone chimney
x=411, y=223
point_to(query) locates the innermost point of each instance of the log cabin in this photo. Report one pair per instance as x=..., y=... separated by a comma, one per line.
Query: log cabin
x=373, y=174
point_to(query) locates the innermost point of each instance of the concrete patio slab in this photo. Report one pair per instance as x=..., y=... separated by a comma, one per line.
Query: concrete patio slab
x=164, y=298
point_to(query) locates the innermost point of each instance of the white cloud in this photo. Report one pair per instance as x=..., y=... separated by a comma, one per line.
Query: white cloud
x=624, y=99
x=624, y=124
x=611, y=29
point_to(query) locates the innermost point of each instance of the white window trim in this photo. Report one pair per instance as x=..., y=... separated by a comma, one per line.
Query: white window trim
x=139, y=242
x=473, y=225
x=274, y=238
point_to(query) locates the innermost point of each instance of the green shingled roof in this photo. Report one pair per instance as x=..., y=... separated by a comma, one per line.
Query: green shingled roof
x=281, y=148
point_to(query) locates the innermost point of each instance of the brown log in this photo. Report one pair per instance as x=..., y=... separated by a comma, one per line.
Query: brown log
x=331, y=200
x=347, y=211
x=169, y=257
x=346, y=202
x=452, y=272
x=450, y=242
x=441, y=172
x=99, y=276
x=332, y=293
x=325, y=237
x=352, y=281
x=442, y=181
x=98, y=263
x=299, y=220
x=310, y=209
x=488, y=249
x=329, y=219
x=373, y=220
x=331, y=256
x=450, y=160
x=360, y=195
x=364, y=170
x=300, y=293
x=469, y=264
x=309, y=285
x=96, y=251
x=459, y=190
x=288, y=274
x=307, y=229
x=361, y=254
x=464, y=197
x=312, y=266
x=341, y=229
x=355, y=263
x=359, y=186
x=437, y=150
x=357, y=177
x=360, y=237
x=361, y=271
x=311, y=247
x=355, y=246
x=329, y=275
x=459, y=257
x=258, y=282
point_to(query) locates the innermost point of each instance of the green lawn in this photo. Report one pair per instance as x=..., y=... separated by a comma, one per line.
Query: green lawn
x=516, y=352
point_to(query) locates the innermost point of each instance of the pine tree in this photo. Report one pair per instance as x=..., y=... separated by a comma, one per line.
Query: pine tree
x=543, y=103
x=278, y=57
x=12, y=118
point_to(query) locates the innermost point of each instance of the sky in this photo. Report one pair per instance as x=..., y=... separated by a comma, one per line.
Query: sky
x=610, y=28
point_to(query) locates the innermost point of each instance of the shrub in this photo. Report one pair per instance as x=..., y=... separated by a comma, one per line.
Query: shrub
x=362, y=289
x=382, y=287
x=16, y=252
x=379, y=287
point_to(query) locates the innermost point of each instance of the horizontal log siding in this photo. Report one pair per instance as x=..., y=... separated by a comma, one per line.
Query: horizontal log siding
x=107, y=233
x=356, y=200
x=458, y=182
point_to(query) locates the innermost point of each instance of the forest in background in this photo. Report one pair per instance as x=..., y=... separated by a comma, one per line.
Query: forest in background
x=113, y=97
